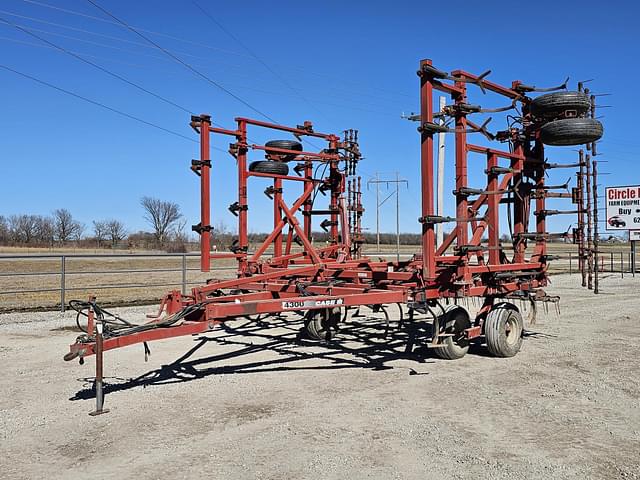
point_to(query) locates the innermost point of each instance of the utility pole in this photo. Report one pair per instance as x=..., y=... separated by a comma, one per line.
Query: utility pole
x=397, y=217
x=379, y=203
x=596, y=239
x=440, y=189
x=633, y=254
x=377, y=213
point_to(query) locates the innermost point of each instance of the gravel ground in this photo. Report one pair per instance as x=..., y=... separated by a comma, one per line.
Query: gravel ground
x=226, y=406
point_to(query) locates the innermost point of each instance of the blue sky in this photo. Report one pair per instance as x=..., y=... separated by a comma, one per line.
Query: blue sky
x=353, y=64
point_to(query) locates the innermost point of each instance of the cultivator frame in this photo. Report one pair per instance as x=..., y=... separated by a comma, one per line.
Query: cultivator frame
x=336, y=276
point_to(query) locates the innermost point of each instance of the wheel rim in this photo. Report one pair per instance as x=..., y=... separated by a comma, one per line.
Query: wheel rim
x=459, y=338
x=511, y=330
x=457, y=329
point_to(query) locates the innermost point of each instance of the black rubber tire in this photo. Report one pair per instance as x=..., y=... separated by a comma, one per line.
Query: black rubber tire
x=454, y=320
x=267, y=166
x=503, y=329
x=571, y=131
x=555, y=104
x=286, y=145
x=318, y=323
x=316, y=327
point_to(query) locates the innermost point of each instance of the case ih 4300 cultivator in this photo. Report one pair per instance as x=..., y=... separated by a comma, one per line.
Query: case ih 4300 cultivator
x=322, y=282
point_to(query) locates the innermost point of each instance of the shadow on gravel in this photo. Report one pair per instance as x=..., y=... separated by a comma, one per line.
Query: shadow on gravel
x=361, y=342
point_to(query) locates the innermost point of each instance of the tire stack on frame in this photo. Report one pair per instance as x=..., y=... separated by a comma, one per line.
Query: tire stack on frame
x=275, y=164
x=564, y=118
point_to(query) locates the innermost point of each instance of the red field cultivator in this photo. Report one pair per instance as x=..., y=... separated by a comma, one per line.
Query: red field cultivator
x=289, y=272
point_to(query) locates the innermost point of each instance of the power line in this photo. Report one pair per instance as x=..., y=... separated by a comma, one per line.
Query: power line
x=179, y=60
x=200, y=45
x=102, y=105
x=95, y=65
x=103, y=45
x=263, y=63
x=121, y=78
x=132, y=52
x=110, y=37
x=79, y=57
x=98, y=57
x=92, y=17
x=69, y=27
x=54, y=46
x=147, y=66
x=398, y=181
x=194, y=70
x=255, y=56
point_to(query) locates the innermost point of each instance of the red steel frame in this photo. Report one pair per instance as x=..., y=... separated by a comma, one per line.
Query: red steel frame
x=332, y=276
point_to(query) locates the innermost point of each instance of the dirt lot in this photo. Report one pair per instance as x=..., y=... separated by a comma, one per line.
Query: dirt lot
x=223, y=406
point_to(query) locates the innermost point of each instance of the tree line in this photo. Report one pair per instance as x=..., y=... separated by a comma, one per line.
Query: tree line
x=167, y=230
x=61, y=228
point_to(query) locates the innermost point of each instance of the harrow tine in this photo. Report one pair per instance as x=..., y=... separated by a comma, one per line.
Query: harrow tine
x=479, y=80
x=531, y=88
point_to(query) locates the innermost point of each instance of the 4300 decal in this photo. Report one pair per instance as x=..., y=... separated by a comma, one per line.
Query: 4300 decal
x=297, y=304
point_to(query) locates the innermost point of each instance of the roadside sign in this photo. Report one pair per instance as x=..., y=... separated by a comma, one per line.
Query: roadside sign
x=623, y=207
x=634, y=235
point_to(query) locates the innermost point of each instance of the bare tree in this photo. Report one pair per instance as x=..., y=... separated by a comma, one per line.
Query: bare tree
x=44, y=231
x=221, y=235
x=180, y=234
x=78, y=231
x=116, y=231
x=100, y=231
x=66, y=228
x=23, y=228
x=4, y=230
x=161, y=215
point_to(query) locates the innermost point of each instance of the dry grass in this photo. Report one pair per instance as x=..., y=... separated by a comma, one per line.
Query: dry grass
x=154, y=276
x=57, y=250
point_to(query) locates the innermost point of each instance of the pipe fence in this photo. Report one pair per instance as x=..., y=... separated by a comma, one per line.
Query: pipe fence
x=36, y=278
x=47, y=281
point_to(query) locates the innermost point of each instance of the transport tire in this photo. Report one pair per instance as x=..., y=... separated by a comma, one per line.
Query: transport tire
x=268, y=166
x=556, y=104
x=315, y=325
x=284, y=144
x=318, y=323
x=503, y=329
x=455, y=319
x=571, y=131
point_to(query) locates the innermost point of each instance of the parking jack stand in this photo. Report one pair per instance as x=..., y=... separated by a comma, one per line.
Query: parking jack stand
x=98, y=382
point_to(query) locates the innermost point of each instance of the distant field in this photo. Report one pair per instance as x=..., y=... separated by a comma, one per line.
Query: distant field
x=82, y=275
x=154, y=276
x=67, y=251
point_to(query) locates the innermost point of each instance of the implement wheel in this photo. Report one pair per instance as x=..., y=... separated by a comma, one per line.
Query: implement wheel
x=454, y=320
x=318, y=323
x=503, y=330
x=267, y=166
x=285, y=145
x=557, y=104
x=571, y=131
